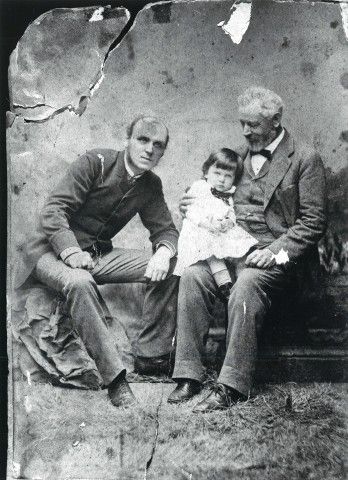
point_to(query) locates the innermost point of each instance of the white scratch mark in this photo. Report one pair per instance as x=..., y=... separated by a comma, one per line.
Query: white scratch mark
x=28, y=406
x=238, y=23
x=282, y=257
x=344, y=14
x=95, y=87
x=244, y=311
x=16, y=469
x=82, y=425
x=32, y=94
x=28, y=378
x=75, y=443
x=187, y=475
x=97, y=15
x=23, y=154
x=100, y=156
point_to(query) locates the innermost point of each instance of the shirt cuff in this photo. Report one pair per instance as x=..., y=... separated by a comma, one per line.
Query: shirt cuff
x=169, y=245
x=69, y=251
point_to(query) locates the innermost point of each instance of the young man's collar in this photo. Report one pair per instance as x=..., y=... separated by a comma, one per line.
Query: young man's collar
x=129, y=169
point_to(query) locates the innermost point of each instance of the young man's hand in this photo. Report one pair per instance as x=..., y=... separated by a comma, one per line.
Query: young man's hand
x=158, y=266
x=260, y=258
x=80, y=260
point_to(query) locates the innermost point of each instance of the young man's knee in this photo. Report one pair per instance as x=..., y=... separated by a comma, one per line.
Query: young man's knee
x=79, y=279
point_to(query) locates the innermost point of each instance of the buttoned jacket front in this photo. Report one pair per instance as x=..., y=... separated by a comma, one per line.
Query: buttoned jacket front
x=89, y=205
x=294, y=198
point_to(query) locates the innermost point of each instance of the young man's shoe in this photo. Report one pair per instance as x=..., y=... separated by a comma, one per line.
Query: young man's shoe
x=220, y=398
x=184, y=391
x=154, y=365
x=120, y=393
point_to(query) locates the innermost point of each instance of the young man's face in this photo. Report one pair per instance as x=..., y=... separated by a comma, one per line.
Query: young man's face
x=257, y=130
x=146, y=145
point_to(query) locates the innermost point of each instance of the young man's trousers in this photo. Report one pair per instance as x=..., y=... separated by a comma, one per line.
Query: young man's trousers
x=79, y=287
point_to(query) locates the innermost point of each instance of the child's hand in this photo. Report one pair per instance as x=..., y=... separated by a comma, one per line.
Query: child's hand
x=219, y=225
x=226, y=224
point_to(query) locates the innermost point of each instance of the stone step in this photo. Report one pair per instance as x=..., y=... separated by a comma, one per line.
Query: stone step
x=291, y=363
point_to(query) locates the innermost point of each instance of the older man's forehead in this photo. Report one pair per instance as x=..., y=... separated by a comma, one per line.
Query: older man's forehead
x=253, y=108
x=151, y=129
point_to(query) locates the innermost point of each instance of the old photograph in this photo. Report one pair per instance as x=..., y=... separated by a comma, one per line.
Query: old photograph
x=177, y=273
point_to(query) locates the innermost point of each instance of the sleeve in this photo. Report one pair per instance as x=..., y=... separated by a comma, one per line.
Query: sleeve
x=67, y=252
x=157, y=218
x=311, y=220
x=169, y=245
x=69, y=195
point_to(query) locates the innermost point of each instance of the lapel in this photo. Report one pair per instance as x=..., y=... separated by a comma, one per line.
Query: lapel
x=279, y=166
x=120, y=169
x=121, y=174
x=247, y=165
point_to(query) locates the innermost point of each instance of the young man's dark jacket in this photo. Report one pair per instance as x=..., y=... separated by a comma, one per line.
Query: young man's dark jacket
x=91, y=205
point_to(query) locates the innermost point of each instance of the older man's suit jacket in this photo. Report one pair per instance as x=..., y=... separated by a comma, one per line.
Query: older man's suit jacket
x=295, y=192
x=89, y=206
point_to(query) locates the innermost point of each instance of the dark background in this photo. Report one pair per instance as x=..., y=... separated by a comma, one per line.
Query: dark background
x=15, y=15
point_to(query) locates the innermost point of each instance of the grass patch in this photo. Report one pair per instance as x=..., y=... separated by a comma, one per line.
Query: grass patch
x=286, y=431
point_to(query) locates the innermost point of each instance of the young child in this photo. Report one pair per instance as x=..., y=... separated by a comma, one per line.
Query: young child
x=209, y=231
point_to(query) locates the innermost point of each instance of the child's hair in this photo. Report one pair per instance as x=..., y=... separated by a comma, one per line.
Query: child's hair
x=226, y=159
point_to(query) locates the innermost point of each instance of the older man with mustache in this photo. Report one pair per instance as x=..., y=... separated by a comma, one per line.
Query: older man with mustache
x=280, y=200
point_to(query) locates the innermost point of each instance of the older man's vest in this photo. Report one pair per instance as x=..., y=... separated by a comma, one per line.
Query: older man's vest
x=249, y=203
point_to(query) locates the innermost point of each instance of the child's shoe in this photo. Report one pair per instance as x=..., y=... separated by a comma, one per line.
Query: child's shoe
x=225, y=291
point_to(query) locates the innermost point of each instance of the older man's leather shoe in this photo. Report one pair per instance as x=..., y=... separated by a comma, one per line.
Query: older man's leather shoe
x=120, y=393
x=220, y=398
x=184, y=391
x=154, y=365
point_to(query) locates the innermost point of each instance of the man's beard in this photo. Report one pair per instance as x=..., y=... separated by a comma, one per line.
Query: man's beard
x=261, y=143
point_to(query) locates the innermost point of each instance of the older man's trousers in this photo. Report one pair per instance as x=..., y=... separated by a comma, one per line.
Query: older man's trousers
x=249, y=303
x=79, y=287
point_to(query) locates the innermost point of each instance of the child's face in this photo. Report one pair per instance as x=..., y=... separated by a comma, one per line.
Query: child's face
x=220, y=178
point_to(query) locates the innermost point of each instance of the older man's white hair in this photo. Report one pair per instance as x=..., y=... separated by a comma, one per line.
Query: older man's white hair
x=269, y=102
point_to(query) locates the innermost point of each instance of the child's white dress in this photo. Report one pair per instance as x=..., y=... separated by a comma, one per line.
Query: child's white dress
x=196, y=242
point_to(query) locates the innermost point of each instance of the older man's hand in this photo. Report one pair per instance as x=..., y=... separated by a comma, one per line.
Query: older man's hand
x=80, y=260
x=158, y=266
x=186, y=200
x=260, y=258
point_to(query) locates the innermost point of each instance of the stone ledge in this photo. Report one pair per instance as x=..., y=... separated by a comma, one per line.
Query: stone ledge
x=296, y=363
x=305, y=368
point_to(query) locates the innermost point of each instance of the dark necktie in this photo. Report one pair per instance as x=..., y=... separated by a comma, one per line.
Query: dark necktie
x=131, y=180
x=265, y=153
x=224, y=196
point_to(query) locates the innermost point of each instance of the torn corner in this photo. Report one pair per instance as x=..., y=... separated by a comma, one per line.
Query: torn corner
x=282, y=257
x=50, y=64
x=344, y=15
x=238, y=23
x=10, y=118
